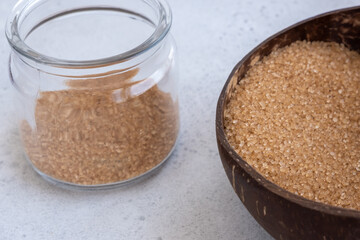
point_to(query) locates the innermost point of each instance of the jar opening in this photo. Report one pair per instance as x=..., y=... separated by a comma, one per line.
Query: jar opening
x=86, y=33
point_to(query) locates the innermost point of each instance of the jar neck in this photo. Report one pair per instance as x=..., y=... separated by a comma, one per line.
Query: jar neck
x=28, y=16
x=96, y=71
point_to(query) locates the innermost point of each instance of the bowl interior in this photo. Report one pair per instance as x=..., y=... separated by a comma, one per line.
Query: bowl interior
x=341, y=26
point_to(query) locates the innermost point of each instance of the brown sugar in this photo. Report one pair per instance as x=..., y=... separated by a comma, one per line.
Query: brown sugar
x=97, y=135
x=295, y=117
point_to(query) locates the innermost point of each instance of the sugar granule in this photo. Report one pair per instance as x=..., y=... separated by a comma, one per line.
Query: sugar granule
x=85, y=137
x=295, y=118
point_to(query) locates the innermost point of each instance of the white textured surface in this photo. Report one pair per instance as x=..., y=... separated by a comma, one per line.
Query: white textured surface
x=191, y=197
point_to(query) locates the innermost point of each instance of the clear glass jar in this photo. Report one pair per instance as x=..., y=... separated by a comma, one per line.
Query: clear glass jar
x=95, y=88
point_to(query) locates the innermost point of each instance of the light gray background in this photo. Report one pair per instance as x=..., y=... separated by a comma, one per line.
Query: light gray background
x=191, y=197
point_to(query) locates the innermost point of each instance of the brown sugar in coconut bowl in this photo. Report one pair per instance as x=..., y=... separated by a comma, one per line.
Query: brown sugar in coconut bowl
x=281, y=213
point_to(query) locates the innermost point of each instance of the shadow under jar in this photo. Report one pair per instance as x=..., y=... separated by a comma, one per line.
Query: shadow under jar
x=95, y=88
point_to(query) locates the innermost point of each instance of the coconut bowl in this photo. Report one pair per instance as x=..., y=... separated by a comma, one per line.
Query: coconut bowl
x=281, y=213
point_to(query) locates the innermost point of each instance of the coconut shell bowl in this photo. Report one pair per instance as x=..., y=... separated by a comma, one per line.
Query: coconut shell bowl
x=282, y=214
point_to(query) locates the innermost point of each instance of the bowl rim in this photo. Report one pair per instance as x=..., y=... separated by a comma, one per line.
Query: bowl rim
x=270, y=186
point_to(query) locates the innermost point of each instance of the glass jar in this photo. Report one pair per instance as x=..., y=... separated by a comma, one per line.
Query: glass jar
x=95, y=88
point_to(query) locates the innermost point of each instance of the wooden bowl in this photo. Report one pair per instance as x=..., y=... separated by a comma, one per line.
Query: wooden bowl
x=283, y=214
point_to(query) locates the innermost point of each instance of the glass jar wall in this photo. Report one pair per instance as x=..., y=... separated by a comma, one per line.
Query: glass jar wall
x=95, y=88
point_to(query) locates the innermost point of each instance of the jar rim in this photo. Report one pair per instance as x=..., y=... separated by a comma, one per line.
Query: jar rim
x=18, y=43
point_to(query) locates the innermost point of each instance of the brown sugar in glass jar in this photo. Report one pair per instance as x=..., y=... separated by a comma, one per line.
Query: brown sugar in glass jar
x=95, y=88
